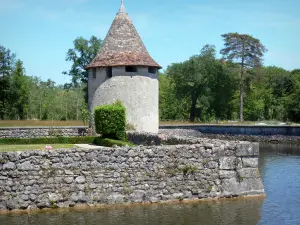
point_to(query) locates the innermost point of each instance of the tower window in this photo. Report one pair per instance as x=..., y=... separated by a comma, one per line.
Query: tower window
x=131, y=69
x=94, y=73
x=152, y=70
x=109, y=72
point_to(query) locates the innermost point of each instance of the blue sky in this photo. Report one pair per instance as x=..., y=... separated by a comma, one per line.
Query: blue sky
x=40, y=32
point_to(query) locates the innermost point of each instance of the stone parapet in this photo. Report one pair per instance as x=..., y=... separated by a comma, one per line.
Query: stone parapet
x=37, y=132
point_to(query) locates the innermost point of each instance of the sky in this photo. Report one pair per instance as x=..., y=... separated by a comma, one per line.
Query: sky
x=41, y=32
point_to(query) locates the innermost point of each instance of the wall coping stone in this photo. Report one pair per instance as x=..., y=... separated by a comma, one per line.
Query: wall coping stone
x=43, y=127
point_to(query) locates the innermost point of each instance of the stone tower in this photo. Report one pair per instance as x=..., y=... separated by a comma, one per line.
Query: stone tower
x=124, y=70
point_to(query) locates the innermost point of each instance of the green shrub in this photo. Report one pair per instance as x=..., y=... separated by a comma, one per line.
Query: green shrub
x=47, y=140
x=110, y=120
x=110, y=142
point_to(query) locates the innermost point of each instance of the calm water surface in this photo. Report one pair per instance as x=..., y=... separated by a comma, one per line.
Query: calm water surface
x=279, y=167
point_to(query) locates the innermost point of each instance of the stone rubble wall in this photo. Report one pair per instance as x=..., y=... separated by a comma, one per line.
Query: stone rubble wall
x=251, y=138
x=136, y=137
x=256, y=138
x=70, y=177
x=36, y=132
x=239, y=129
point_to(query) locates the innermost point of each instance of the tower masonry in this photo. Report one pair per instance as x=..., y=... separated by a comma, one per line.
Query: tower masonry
x=124, y=70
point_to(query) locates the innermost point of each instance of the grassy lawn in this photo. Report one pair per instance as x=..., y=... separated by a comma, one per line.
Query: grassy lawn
x=29, y=123
x=32, y=123
x=11, y=148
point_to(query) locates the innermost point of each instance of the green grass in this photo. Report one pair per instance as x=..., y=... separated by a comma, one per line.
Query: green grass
x=111, y=142
x=47, y=140
x=24, y=144
x=11, y=148
x=49, y=123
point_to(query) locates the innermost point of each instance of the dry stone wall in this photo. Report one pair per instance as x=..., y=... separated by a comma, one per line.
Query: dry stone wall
x=36, y=132
x=70, y=177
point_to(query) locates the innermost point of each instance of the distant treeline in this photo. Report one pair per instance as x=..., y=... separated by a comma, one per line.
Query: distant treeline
x=27, y=97
x=202, y=88
x=271, y=93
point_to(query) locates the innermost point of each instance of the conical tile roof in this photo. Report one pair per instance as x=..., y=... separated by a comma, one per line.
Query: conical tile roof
x=122, y=45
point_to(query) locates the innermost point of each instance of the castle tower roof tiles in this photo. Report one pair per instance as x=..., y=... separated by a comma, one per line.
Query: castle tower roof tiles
x=122, y=45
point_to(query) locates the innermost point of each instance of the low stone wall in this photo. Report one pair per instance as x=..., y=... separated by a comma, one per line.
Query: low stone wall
x=251, y=138
x=264, y=130
x=256, y=138
x=70, y=177
x=36, y=132
x=143, y=138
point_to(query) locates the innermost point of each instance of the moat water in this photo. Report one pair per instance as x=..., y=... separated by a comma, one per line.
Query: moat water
x=280, y=169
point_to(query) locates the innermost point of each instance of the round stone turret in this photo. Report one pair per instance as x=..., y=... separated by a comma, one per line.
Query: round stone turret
x=124, y=70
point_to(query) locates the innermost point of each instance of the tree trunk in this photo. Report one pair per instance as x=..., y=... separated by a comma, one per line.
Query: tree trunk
x=193, y=107
x=77, y=113
x=66, y=110
x=2, y=111
x=242, y=93
x=40, y=106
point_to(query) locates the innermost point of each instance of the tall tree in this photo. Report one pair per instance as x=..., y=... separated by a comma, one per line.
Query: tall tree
x=293, y=100
x=192, y=77
x=81, y=55
x=245, y=50
x=170, y=107
x=20, y=91
x=223, y=87
x=7, y=62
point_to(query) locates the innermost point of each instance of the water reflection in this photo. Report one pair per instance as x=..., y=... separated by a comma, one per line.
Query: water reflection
x=243, y=211
x=280, y=169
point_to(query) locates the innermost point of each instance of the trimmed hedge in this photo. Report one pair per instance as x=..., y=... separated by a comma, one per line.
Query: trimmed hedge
x=111, y=142
x=48, y=140
x=110, y=120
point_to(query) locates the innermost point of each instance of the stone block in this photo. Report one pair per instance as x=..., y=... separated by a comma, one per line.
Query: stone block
x=9, y=166
x=250, y=162
x=246, y=186
x=227, y=163
x=245, y=148
x=248, y=173
x=115, y=199
x=25, y=166
x=231, y=185
x=227, y=174
x=12, y=204
x=68, y=180
x=80, y=187
x=138, y=196
x=80, y=180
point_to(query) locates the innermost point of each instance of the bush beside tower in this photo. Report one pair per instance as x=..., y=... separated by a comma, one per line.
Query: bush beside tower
x=110, y=123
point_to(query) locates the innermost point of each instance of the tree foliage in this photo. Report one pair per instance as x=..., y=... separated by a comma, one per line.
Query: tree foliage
x=20, y=91
x=7, y=63
x=26, y=97
x=201, y=88
x=81, y=55
x=170, y=106
x=198, y=79
x=246, y=51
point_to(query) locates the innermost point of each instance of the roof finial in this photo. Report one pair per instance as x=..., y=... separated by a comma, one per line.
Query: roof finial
x=122, y=8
